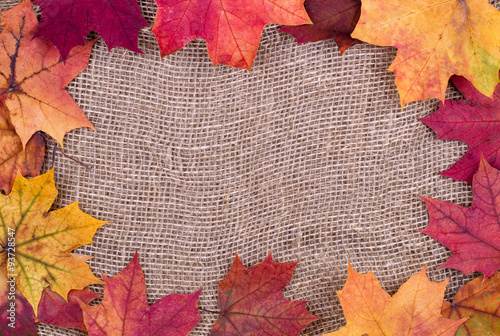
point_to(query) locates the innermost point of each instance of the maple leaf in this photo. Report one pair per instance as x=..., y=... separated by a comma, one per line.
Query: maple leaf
x=472, y=234
x=232, y=28
x=332, y=19
x=16, y=314
x=125, y=311
x=53, y=309
x=435, y=40
x=479, y=300
x=474, y=121
x=414, y=310
x=13, y=158
x=33, y=77
x=38, y=243
x=68, y=22
x=252, y=303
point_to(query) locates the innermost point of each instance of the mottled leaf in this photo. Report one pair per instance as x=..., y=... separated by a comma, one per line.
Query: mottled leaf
x=40, y=241
x=332, y=19
x=479, y=301
x=232, y=28
x=251, y=301
x=472, y=234
x=125, y=311
x=435, y=40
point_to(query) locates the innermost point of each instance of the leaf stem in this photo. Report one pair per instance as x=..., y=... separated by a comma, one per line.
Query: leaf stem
x=210, y=311
x=56, y=147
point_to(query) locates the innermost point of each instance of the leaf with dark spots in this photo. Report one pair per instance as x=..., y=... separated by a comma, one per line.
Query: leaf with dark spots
x=332, y=19
x=472, y=234
x=13, y=158
x=479, y=302
x=251, y=301
x=125, y=311
x=68, y=22
x=232, y=28
x=33, y=77
x=41, y=246
x=415, y=310
x=475, y=121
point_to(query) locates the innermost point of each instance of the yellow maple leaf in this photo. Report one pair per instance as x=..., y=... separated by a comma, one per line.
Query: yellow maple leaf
x=435, y=39
x=414, y=310
x=38, y=242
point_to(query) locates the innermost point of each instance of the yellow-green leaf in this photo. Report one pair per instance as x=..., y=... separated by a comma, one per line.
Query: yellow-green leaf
x=39, y=243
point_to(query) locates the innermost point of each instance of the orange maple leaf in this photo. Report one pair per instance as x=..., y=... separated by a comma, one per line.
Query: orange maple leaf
x=13, y=158
x=232, y=28
x=414, y=310
x=435, y=39
x=33, y=77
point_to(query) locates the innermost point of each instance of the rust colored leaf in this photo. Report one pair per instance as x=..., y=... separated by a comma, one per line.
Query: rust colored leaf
x=125, y=311
x=251, y=301
x=39, y=242
x=332, y=19
x=435, y=40
x=479, y=301
x=472, y=234
x=13, y=158
x=33, y=77
x=232, y=28
x=67, y=22
x=414, y=310
x=474, y=121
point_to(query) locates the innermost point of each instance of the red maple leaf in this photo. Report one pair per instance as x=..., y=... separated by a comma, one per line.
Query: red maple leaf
x=332, y=19
x=19, y=318
x=125, y=311
x=472, y=234
x=475, y=121
x=252, y=303
x=68, y=22
x=232, y=28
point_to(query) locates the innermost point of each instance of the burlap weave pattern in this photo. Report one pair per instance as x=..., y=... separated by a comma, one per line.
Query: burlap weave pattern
x=309, y=156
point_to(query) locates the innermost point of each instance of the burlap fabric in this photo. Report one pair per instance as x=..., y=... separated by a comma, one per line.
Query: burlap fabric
x=309, y=156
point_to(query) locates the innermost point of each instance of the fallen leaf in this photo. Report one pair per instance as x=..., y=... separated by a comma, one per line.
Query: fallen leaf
x=251, y=301
x=39, y=242
x=332, y=19
x=435, y=40
x=414, y=310
x=13, y=158
x=479, y=300
x=33, y=77
x=53, y=309
x=232, y=28
x=472, y=234
x=474, y=121
x=16, y=314
x=125, y=311
x=68, y=22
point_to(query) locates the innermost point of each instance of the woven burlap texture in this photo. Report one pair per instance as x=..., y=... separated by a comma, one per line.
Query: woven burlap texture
x=308, y=156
